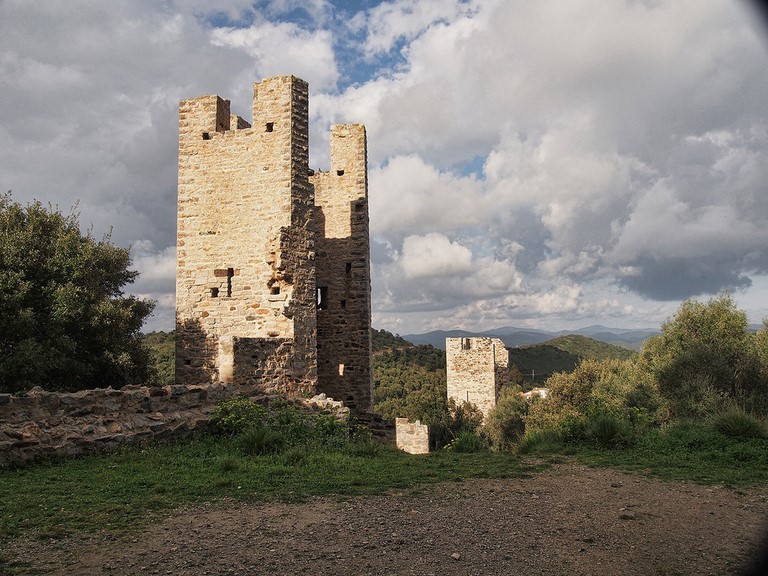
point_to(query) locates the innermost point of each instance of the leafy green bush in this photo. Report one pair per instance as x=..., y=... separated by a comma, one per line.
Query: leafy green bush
x=617, y=387
x=608, y=430
x=236, y=415
x=705, y=358
x=66, y=323
x=466, y=441
x=505, y=424
x=263, y=429
x=739, y=424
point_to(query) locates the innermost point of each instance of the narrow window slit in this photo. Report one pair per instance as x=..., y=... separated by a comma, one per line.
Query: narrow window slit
x=322, y=298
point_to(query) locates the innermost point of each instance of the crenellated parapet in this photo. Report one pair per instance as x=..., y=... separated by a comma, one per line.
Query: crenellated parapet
x=272, y=263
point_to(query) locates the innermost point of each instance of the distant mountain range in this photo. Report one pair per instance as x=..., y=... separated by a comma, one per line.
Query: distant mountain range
x=513, y=337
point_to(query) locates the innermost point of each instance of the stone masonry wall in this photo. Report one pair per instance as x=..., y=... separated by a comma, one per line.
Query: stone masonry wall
x=412, y=437
x=343, y=271
x=70, y=424
x=244, y=239
x=476, y=369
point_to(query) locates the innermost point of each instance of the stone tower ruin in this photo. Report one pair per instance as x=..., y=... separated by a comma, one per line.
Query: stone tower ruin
x=476, y=369
x=273, y=273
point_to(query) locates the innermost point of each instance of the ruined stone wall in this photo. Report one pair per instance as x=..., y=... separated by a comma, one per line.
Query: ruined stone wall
x=412, y=437
x=476, y=368
x=63, y=424
x=343, y=271
x=69, y=424
x=245, y=265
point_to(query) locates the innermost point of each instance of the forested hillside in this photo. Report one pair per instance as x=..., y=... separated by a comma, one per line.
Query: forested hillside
x=538, y=362
x=409, y=380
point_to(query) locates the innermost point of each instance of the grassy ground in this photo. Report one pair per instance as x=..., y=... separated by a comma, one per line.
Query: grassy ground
x=690, y=451
x=123, y=490
x=113, y=492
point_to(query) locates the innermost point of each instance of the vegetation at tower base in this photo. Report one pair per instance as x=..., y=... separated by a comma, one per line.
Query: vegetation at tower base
x=65, y=323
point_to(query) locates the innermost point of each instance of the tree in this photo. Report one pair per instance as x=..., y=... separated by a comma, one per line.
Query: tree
x=65, y=323
x=705, y=357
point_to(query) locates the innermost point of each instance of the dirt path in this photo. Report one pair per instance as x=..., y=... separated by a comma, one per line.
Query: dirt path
x=571, y=519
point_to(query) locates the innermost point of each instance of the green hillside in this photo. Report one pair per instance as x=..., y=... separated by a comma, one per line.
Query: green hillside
x=538, y=362
x=409, y=380
x=589, y=349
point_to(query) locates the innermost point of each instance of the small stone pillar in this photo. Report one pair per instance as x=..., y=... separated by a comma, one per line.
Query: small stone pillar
x=412, y=437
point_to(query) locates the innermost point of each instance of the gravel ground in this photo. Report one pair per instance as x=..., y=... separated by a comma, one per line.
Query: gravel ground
x=571, y=519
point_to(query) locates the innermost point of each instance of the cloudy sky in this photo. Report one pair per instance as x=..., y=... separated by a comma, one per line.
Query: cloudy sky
x=547, y=163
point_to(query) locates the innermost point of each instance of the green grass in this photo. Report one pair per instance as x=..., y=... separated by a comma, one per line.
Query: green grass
x=691, y=451
x=118, y=491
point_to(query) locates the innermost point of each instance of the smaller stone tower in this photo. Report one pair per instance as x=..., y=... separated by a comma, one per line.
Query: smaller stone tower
x=476, y=368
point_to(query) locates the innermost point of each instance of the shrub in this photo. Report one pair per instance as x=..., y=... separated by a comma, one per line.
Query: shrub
x=236, y=415
x=618, y=387
x=293, y=423
x=609, y=430
x=466, y=441
x=705, y=357
x=737, y=423
x=505, y=424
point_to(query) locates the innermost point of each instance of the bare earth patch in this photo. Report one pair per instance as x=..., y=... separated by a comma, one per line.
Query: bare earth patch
x=571, y=519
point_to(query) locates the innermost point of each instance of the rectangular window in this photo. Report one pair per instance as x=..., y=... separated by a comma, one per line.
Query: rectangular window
x=466, y=344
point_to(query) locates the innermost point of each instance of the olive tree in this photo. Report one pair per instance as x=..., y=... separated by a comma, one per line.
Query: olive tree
x=65, y=323
x=705, y=357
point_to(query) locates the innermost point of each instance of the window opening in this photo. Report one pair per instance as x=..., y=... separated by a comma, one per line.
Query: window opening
x=466, y=344
x=343, y=303
x=270, y=126
x=230, y=273
x=206, y=136
x=322, y=297
x=275, y=289
x=341, y=369
x=339, y=172
x=214, y=292
x=348, y=268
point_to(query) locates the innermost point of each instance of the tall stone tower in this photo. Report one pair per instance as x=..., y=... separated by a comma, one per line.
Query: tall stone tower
x=343, y=270
x=476, y=369
x=259, y=264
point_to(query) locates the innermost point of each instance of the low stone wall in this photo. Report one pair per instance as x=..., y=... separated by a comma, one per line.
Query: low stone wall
x=412, y=437
x=70, y=424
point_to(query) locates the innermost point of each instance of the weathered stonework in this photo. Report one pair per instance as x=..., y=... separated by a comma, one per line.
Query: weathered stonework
x=273, y=278
x=343, y=271
x=61, y=424
x=412, y=437
x=476, y=369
